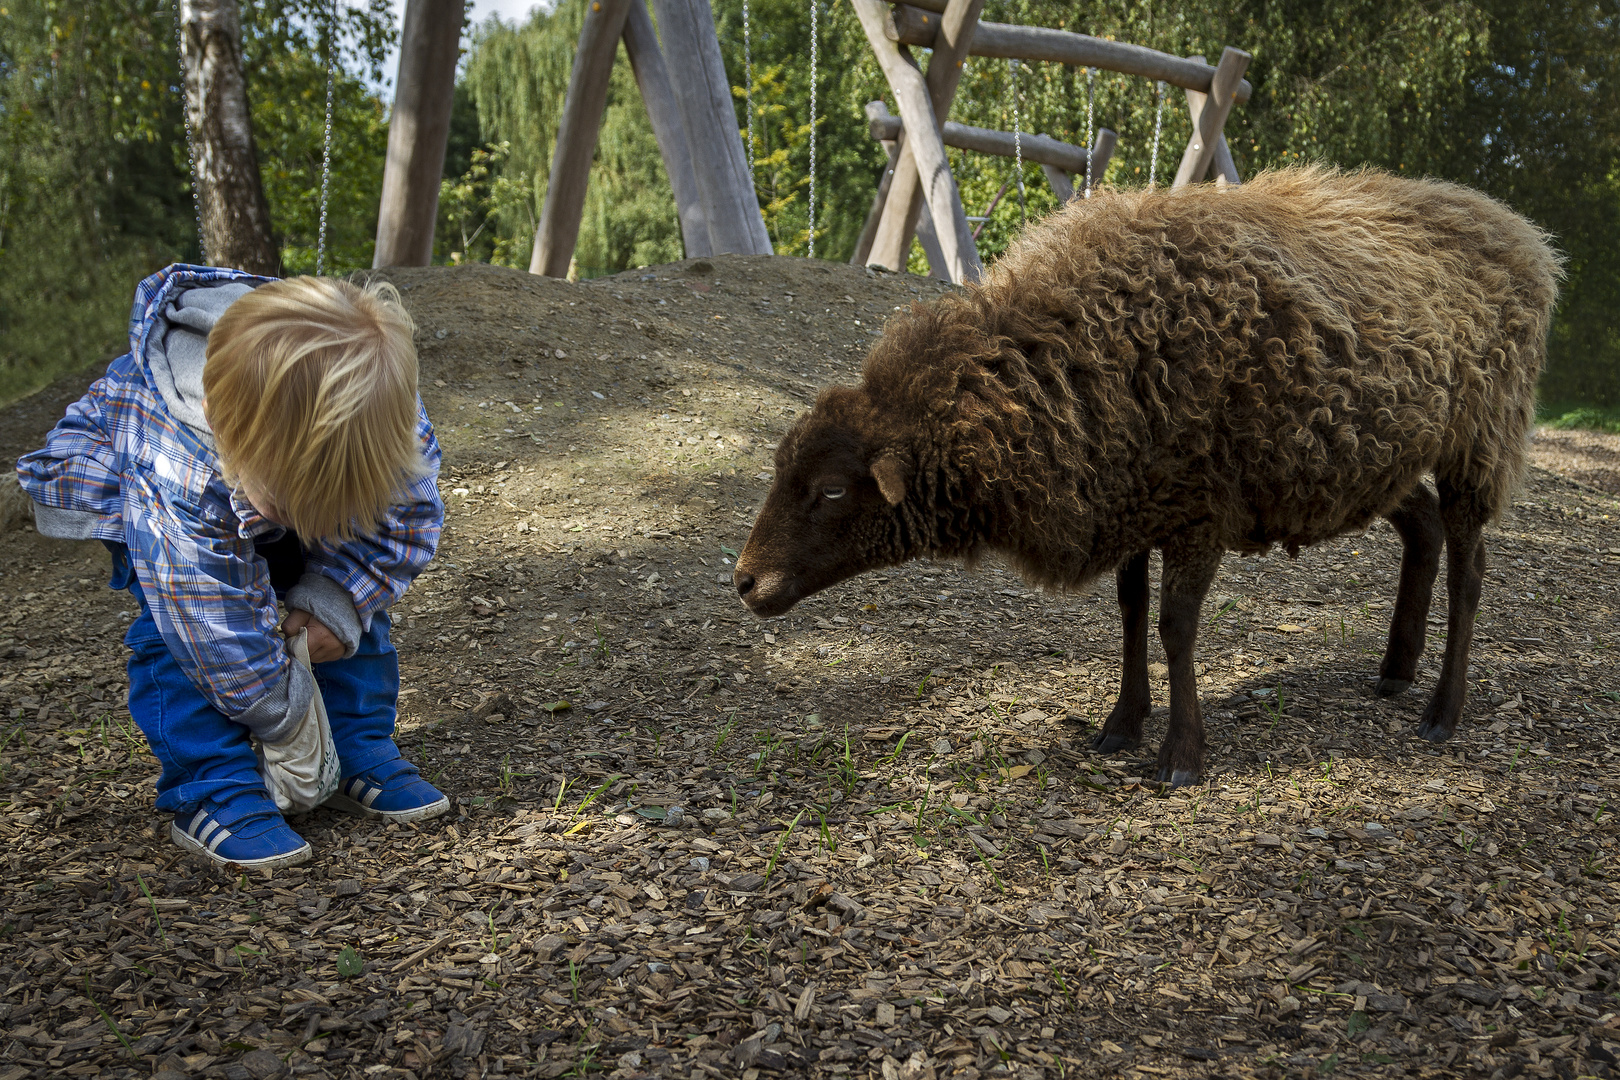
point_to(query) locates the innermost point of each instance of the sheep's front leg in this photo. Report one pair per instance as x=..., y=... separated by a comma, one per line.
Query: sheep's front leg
x=1123, y=728
x=1188, y=572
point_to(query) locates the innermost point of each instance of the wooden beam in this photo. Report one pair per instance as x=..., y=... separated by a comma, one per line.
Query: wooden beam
x=928, y=240
x=1042, y=149
x=418, y=129
x=1212, y=117
x=863, y=247
x=916, y=99
x=652, y=76
x=1225, y=167
x=1061, y=185
x=558, y=231
x=911, y=24
x=703, y=97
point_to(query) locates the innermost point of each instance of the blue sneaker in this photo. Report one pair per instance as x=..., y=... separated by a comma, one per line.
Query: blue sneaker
x=393, y=790
x=246, y=831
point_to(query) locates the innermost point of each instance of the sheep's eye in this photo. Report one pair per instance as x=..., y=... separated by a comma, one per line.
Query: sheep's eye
x=833, y=492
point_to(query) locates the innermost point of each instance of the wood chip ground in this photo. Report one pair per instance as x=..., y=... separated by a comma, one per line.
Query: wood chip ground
x=866, y=840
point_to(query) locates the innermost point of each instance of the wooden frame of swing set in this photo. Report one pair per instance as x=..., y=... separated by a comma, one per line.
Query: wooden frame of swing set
x=688, y=98
x=919, y=175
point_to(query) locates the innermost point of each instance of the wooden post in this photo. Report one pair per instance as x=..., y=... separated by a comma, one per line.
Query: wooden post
x=558, y=230
x=1061, y=185
x=876, y=111
x=1211, y=118
x=652, y=76
x=235, y=213
x=703, y=96
x=923, y=145
x=417, y=132
x=1225, y=167
x=928, y=240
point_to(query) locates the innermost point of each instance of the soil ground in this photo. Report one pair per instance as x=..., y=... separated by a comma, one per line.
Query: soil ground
x=894, y=854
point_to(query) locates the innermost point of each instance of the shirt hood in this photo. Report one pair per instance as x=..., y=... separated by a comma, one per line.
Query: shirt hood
x=177, y=342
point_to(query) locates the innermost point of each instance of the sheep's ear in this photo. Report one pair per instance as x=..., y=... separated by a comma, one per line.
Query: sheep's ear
x=892, y=476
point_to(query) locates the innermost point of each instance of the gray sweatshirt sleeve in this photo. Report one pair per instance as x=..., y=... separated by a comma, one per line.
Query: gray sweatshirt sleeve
x=273, y=717
x=331, y=603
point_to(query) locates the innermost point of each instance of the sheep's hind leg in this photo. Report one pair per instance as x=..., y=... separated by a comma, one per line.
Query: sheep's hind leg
x=1188, y=572
x=1464, y=521
x=1123, y=728
x=1417, y=520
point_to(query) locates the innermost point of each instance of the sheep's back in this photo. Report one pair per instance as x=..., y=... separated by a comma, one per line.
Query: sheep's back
x=1286, y=358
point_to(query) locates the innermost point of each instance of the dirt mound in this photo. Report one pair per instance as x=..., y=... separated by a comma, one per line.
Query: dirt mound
x=868, y=839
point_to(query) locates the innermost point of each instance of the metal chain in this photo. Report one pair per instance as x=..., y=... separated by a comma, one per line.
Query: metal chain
x=748, y=90
x=1091, y=139
x=326, y=145
x=815, y=29
x=1018, y=144
x=191, y=146
x=1158, y=126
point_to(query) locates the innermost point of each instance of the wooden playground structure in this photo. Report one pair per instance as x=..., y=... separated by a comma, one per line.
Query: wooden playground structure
x=689, y=102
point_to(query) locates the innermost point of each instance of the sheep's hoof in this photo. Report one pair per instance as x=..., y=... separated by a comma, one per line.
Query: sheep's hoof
x=1177, y=778
x=1109, y=744
x=1391, y=687
x=1434, y=731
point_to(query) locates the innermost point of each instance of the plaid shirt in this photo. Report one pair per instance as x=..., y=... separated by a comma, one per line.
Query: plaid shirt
x=153, y=485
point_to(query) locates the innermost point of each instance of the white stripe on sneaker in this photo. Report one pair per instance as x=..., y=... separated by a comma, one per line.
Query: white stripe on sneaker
x=220, y=837
x=206, y=831
x=371, y=797
x=198, y=819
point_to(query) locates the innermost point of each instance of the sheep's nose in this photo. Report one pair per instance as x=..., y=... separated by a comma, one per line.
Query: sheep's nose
x=745, y=583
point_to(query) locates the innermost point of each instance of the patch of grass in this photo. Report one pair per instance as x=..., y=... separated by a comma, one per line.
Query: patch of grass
x=108, y=1020
x=1565, y=417
x=149, y=899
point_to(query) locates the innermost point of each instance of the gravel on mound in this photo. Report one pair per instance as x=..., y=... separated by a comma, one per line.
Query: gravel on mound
x=868, y=839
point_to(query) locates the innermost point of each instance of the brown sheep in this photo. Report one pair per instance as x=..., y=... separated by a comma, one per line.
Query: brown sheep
x=1196, y=371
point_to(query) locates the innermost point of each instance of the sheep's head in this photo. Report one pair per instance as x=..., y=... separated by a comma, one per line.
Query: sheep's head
x=834, y=508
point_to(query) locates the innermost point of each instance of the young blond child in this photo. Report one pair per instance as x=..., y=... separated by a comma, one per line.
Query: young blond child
x=261, y=443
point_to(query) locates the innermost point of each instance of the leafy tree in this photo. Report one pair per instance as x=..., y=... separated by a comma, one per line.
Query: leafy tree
x=94, y=176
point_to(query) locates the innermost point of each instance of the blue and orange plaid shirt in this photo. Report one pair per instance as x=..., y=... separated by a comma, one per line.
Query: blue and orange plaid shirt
x=153, y=484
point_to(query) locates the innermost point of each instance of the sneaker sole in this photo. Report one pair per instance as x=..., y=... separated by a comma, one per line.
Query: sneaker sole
x=291, y=858
x=419, y=813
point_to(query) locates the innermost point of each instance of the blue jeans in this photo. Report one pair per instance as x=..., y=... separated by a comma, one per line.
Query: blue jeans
x=206, y=756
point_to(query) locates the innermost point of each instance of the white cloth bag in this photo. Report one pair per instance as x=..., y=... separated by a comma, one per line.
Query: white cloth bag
x=302, y=771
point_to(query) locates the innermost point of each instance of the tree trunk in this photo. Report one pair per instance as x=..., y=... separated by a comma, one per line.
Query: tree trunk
x=235, y=215
x=417, y=132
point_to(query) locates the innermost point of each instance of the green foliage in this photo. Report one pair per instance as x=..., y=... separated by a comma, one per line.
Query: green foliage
x=1522, y=101
x=94, y=179
x=518, y=78
x=88, y=194
x=1585, y=418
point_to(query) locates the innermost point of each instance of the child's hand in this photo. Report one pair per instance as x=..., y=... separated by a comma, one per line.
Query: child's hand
x=323, y=644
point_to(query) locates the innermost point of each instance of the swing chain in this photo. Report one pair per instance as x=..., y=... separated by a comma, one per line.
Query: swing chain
x=1091, y=138
x=191, y=146
x=748, y=90
x=815, y=26
x=1158, y=126
x=326, y=143
x=1018, y=144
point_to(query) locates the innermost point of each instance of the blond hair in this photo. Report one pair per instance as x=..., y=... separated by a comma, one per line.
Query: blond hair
x=310, y=386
